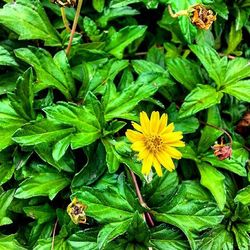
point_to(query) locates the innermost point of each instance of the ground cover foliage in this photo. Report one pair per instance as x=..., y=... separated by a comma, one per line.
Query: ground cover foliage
x=63, y=118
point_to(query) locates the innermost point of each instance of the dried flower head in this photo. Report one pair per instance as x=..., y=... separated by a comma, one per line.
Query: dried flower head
x=65, y=3
x=222, y=151
x=155, y=142
x=202, y=17
x=76, y=211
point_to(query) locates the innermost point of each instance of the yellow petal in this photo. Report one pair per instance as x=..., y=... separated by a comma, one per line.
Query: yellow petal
x=134, y=136
x=154, y=122
x=137, y=126
x=147, y=164
x=168, y=129
x=172, y=137
x=165, y=161
x=163, y=122
x=157, y=167
x=144, y=122
x=143, y=154
x=177, y=144
x=174, y=153
x=138, y=146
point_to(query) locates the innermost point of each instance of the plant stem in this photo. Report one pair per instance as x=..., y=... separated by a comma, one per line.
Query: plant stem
x=53, y=235
x=221, y=129
x=78, y=10
x=64, y=18
x=147, y=216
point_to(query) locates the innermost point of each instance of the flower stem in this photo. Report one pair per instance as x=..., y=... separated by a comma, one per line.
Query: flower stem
x=221, y=129
x=78, y=10
x=64, y=18
x=177, y=14
x=53, y=236
x=147, y=216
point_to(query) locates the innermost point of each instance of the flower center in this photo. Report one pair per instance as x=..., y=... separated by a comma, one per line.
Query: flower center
x=153, y=143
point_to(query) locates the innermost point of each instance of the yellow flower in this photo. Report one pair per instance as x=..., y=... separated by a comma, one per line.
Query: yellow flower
x=155, y=142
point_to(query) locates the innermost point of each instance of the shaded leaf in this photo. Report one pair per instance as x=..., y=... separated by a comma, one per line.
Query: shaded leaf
x=5, y=201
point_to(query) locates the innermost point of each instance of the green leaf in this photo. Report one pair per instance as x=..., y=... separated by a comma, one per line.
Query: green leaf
x=160, y=189
x=210, y=134
x=202, y=97
x=186, y=72
x=213, y=180
x=103, y=207
x=45, y=151
x=235, y=37
x=240, y=90
x=9, y=123
x=141, y=66
x=185, y=125
x=5, y=57
x=42, y=214
x=33, y=22
x=188, y=30
x=234, y=164
x=210, y=59
x=237, y=69
x=189, y=214
x=98, y=5
x=117, y=105
x=6, y=171
x=163, y=238
x=243, y=196
x=41, y=131
x=83, y=240
x=8, y=242
x=96, y=160
x=87, y=126
x=51, y=72
x=217, y=238
x=121, y=39
x=61, y=147
x=111, y=231
x=43, y=184
x=241, y=235
x=23, y=98
x=112, y=157
x=138, y=230
x=5, y=201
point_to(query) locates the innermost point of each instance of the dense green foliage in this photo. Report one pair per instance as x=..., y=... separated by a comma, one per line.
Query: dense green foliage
x=63, y=120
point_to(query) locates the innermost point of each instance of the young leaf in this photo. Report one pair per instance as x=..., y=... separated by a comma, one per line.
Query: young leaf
x=23, y=97
x=186, y=72
x=98, y=5
x=240, y=90
x=5, y=201
x=51, y=72
x=163, y=238
x=213, y=180
x=202, y=97
x=121, y=39
x=5, y=57
x=235, y=37
x=33, y=23
x=38, y=186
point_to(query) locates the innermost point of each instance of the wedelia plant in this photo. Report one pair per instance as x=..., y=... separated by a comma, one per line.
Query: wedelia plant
x=124, y=124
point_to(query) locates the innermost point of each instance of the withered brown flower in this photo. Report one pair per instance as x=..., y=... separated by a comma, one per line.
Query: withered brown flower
x=76, y=211
x=202, y=17
x=222, y=151
x=65, y=3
